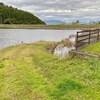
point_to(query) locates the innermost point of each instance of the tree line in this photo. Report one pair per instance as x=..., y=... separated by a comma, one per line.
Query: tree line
x=10, y=15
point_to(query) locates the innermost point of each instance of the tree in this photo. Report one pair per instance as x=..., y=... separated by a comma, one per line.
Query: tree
x=7, y=21
x=77, y=22
x=0, y=18
x=1, y=4
x=12, y=15
x=99, y=22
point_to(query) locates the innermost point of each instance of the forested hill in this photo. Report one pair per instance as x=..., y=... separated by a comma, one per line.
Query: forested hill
x=10, y=15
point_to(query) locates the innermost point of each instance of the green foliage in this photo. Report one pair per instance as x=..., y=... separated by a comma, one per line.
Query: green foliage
x=1, y=4
x=10, y=21
x=77, y=22
x=12, y=15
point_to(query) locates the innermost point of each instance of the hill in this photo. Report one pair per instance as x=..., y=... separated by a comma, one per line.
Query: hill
x=29, y=72
x=10, y=15
x=53, y=21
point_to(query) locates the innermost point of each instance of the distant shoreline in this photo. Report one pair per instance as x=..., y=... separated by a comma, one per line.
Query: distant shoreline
x=52, y=27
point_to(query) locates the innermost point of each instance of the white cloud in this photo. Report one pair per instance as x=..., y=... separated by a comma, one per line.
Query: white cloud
x=49, y=16
x=65, y=10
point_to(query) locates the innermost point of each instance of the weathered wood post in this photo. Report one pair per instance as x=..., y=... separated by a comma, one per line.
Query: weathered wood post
x=76, y=41
x=98, y=35
x=89, y=36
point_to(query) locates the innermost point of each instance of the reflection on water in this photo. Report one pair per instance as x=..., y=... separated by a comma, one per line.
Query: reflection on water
x=10, y=37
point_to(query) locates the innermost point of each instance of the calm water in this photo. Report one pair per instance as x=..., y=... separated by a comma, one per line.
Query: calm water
x=9, y=37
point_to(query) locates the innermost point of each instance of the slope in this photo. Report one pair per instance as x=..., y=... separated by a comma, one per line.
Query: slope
x=10, y=15
x=29, y=72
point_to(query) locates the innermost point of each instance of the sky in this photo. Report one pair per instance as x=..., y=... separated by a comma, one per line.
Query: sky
x=65, y=10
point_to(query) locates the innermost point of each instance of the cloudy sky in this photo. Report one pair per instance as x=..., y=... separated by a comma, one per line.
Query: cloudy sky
x=64, y=10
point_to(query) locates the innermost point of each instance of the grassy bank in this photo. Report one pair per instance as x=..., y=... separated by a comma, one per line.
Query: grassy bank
x=93, y=49
x=60, y=26
x=29, y=72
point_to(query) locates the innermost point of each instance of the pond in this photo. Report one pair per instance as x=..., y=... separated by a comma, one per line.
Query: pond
x=9, y=37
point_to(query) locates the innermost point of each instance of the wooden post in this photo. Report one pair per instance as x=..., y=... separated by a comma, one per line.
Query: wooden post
x=76, y=42
x=98, y=35
x=89, y=36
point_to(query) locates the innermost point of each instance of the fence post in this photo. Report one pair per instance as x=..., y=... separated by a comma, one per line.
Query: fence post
x=76, y=42
x=98, y=35
x=89, y=36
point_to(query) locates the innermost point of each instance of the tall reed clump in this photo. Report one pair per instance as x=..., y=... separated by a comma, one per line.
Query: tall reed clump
x=67, y=42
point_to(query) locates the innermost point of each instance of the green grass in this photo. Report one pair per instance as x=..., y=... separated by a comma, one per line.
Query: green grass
x=29, y=72
x=93, y=49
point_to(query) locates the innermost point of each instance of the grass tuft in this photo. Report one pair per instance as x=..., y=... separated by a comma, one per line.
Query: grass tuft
x=1, y=65
x=68, y=85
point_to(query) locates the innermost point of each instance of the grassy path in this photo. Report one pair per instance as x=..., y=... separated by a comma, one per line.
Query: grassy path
x=29, y=72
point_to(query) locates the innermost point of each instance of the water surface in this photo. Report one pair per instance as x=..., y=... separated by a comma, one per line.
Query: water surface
x=9, y=37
